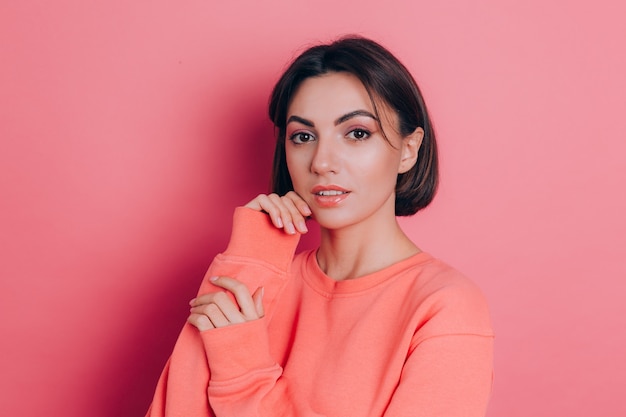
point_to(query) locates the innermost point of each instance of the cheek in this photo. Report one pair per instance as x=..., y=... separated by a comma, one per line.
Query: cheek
x=380, y=164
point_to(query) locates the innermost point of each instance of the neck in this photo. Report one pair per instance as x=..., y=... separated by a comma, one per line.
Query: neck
x=363, y=248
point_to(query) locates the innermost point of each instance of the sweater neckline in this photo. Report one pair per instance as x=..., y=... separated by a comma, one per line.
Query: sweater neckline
x=329, y=287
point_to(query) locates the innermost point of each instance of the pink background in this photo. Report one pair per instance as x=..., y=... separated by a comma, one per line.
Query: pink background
x=130, y=130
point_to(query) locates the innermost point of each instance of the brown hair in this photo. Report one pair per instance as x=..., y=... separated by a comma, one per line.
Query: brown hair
x=384, y=78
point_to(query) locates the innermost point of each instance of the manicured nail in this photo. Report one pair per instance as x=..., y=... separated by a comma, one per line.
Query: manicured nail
x=192, y=301
x=306, y=210
x=302, y=226
x=279, y=222
x=290, y=229
x=213, y=279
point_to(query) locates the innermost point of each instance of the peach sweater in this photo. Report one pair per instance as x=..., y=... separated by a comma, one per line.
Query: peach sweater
x=414, y=339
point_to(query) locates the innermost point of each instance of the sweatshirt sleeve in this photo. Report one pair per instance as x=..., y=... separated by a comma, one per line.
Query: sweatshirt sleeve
x=258, y=254
x=245, y=380
x=446, y=376
x=449, y=368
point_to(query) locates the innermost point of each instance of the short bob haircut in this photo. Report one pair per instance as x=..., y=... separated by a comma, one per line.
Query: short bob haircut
x=385, y=78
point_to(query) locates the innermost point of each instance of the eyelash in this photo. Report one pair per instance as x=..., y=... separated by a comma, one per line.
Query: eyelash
x=366, y=134
x=296, y=138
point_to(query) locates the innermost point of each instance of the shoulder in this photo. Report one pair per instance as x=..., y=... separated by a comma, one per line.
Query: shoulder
x=446, y=301
x=447, y=285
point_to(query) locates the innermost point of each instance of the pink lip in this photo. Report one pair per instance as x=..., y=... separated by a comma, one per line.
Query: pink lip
x=327, y=201
x=330, y=187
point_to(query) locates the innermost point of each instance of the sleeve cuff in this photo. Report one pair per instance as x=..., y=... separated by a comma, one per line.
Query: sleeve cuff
x=236, y=350
x=255, y=236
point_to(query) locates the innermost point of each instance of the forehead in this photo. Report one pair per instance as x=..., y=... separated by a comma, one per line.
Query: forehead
x=335, y=92
x=325, y=98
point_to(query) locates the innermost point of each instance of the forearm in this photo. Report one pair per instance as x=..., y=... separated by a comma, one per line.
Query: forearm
x=257, y=254
x=245, y=379
x=182, y=386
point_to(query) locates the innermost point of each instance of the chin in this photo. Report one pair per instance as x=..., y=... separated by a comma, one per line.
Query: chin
x=334, y=219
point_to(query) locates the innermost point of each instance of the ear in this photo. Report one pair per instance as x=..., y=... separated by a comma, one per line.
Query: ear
x=410, y=148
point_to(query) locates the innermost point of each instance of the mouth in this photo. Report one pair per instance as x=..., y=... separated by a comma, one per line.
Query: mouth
x=327, y=196
x=328, y=190
x=328, y=193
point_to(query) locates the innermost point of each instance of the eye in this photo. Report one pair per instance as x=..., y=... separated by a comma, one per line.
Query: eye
x=301, y=137
x=358, y=134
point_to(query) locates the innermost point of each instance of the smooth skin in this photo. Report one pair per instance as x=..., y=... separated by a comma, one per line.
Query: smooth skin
x=334, y=141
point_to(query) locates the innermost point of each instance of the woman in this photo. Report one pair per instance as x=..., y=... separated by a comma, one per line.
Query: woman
x=367, y=324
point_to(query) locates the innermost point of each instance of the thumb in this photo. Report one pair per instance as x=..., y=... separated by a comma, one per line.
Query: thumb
x=257, y=297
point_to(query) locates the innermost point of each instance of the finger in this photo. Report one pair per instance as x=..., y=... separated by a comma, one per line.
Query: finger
x=241, y=293
x=200, y=321
x=214, y=313
x=202, y=299
x=296, y=216
x=227, y=308
x=257, y=297
x=254, y=203
x=207, y=304
x=206, y=298
x=285, y=213
x=268, y=205
x=302, y=206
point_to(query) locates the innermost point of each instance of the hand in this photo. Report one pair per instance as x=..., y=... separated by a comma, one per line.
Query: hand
x=288, y=212
x=217, y=309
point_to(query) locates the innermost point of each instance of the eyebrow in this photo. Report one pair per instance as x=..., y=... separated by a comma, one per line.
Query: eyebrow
x=345, y=117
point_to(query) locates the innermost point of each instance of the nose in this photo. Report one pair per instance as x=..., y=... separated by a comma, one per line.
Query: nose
x=325, y=157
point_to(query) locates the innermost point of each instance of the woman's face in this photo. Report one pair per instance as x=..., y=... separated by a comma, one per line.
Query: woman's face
x=338, y=159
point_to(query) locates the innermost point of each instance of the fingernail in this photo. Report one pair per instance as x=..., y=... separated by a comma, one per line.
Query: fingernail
x=262, y=292
x=213, y=279
x=302, y=226
x=192, y=301
x=279, y=222
x=290, y=229
x=307, y=210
